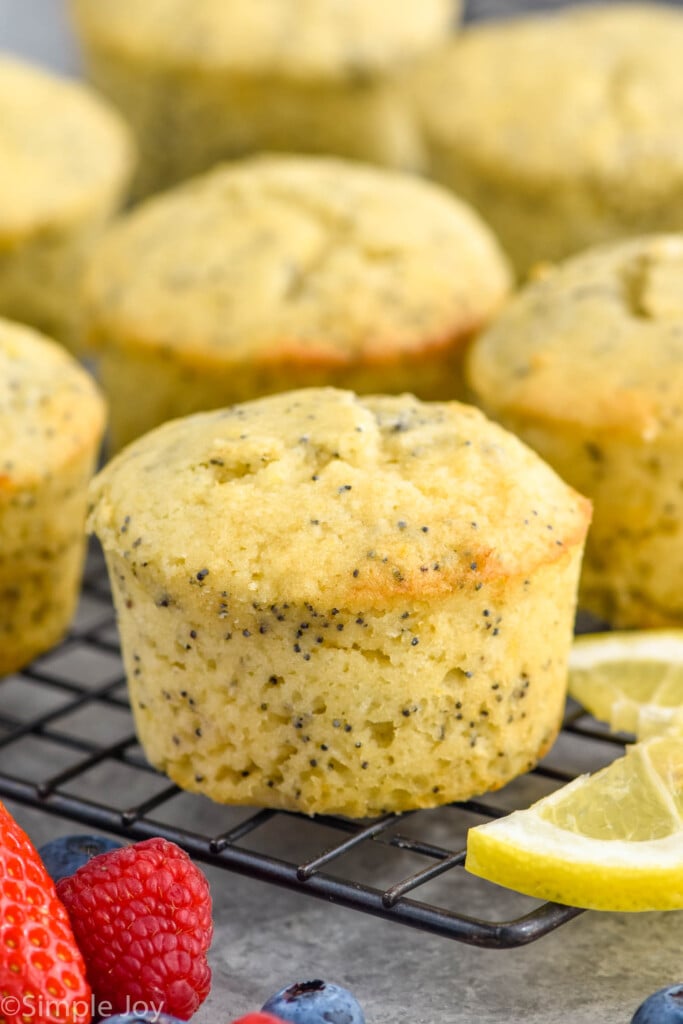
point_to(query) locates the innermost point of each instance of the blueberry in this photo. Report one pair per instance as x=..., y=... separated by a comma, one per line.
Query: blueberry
x=65, y=855
x=663, y=1007
x=315, y=1002
x=146, y=1017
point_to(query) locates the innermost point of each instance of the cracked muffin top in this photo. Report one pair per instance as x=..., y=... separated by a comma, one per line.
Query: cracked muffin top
x=296, y=38
x=50, y=408
x=321, y=495
x=279, y=257
x=62, y=150
x=596, y=343
x=592, y=90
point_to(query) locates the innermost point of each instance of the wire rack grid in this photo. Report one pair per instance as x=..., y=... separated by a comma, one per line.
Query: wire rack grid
x=68, y=747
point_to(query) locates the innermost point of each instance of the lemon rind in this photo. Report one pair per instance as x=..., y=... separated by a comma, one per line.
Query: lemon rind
x=623, y=882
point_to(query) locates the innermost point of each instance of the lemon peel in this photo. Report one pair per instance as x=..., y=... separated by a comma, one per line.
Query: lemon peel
x=608, y=841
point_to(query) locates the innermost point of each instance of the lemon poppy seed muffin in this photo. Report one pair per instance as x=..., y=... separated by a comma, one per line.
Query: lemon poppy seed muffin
x=207, y=80
x=338, y=604
x=586, y=365
x=51, y=423
x=563, y=129
x=280, y=272
x=65, y=162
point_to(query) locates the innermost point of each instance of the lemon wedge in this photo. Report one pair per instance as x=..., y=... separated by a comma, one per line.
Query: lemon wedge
x=608, y=841
x=632, y=681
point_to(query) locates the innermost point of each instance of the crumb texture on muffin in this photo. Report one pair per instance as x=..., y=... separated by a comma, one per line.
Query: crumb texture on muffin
x=330, y=603
x=586, y=365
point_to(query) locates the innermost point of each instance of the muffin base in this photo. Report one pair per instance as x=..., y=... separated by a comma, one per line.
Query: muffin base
x=41, y=561
x=40, y=275
x=340, y=710
x=148, y=386
x=185, y=121
x=539, y=221
x=633, y=562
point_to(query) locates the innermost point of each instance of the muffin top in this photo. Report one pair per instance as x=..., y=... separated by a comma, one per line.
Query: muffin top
x=62, y=150
x=300, y=39
x=595, y=343
x=50, y=408
x=319, y=495
x=586, y=90
x=296, y=258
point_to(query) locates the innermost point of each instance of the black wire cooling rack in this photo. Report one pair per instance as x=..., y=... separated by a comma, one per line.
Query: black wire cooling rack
x=67, y=747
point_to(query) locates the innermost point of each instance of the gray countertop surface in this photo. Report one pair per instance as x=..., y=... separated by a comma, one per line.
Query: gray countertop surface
x=594, y=970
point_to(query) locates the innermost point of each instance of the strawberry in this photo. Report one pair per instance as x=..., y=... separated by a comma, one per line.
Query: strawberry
x=259, y=1018
x=42, y=974
x=142, y=919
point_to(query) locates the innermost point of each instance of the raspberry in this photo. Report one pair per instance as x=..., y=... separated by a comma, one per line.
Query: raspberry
x=42, y=974
x=142, y=919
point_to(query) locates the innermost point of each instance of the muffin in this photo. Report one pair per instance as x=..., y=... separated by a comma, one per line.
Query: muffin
x=586, y=365
x=566, y=129
x=281, y=272
x=338, y=604
x=65, y=162
x=51, y=422
x=204, y=80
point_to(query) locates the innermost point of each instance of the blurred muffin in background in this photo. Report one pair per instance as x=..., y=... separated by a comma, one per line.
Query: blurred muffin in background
x=282, y=272
x=586, y=366
x=563, y=129
x=206, y=80
x=51, y=423
x=65, y=163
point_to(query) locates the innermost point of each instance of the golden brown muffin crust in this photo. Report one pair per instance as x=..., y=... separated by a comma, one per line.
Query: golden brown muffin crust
x=595, y=343
x=280, y=258
x=611, y=96
x=51, y=411
x=361, y=489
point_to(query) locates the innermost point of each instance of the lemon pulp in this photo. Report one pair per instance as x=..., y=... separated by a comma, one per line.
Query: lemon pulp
x=631, y=680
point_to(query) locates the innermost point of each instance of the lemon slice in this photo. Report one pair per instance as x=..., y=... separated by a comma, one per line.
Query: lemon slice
x=633, y=681
x=609, y=841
